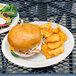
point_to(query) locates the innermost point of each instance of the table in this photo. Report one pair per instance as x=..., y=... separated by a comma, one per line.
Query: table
x=62, y=12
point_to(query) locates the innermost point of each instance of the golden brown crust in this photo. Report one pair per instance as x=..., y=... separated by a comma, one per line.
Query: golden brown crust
x=24, y=37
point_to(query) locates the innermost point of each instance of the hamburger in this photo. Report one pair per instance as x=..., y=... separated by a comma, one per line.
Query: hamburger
x=25, y=39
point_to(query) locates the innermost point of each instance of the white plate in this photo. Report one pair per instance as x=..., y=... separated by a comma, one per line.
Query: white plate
x=39, y=60
x=14, y=22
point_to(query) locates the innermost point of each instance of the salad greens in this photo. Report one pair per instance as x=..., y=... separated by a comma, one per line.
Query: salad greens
x=10, y=20
x=8, y=13
x=9, y=8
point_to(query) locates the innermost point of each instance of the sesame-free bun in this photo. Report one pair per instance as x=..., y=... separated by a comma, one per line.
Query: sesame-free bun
x=24, y=37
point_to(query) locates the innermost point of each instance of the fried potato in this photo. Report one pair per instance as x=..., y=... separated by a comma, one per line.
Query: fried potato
x=55, y=44
x=45, y=50
x=42, y=30
x=48, y=30
x=57, y=51
x=46, y=25
x=54, y=30
x=63, y=36
x=59, y=28
x=50, y=55
x=53, y=38
x=46, y=33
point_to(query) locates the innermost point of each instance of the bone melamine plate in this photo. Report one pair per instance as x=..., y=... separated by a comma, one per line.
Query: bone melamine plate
x=39, y=60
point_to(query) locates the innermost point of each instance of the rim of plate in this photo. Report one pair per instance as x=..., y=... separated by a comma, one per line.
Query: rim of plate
x=14, y=22
x=44, y=64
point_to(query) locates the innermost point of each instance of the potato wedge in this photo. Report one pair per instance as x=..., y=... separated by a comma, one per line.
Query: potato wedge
x=50, y=55
x=46, y=25
x=53, y=38
x=55, y=44
x=46, y=33
x=63, y=36
x=57, y=51
x=45, y=49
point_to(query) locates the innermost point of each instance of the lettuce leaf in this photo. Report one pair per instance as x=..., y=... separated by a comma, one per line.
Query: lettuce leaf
x=10, y=8
x=14, y=54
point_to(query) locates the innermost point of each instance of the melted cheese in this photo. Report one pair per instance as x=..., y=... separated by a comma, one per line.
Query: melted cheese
x=11, y=48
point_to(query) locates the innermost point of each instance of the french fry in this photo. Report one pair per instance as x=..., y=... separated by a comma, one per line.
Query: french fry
x=50, y=55
x=59, y=28
x=53, y=38
x=45, y=49
x=55, y=45
x=54, y=30
x=57, y=51
x=46, y=25
x=63, y=36
x=46, y=33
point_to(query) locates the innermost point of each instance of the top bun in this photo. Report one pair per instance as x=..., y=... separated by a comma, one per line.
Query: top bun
x=24, y=37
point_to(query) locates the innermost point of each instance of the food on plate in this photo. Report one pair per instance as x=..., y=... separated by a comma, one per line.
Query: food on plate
x=46, y=33
x=54, y=30
x=46, y=25
x=51, y=53
x=57, y=51
x=53, y=38
x=50, y=27
x=62, y=34
x=2, y=22
x=7, y=14
x=45, y=49
x=53, y=45
x=24, y=40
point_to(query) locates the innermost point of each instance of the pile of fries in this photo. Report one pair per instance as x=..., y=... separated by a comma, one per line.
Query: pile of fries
x=55, y=37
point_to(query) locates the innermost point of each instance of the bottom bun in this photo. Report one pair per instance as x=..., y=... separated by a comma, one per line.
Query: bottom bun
x=24, y=55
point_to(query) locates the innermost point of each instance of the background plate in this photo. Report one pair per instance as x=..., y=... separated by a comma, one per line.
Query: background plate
x=14, y=22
